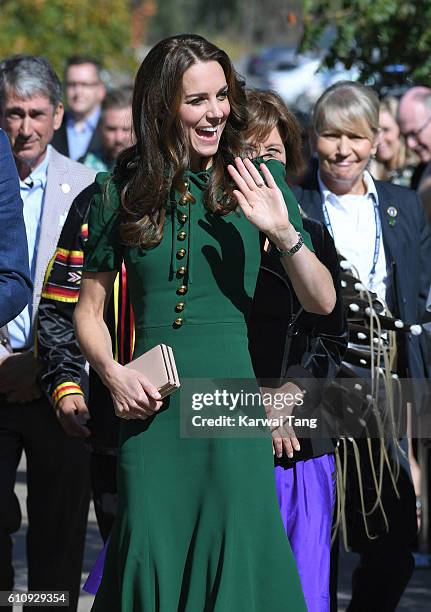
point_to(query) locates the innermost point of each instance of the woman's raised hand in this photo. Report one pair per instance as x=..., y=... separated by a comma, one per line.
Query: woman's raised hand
x=261, y=200
x=133, y=395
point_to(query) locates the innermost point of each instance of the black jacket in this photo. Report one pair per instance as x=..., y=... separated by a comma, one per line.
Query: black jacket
x=60, y=143
x=57, y=345
x=407, y=244
x=313, y=353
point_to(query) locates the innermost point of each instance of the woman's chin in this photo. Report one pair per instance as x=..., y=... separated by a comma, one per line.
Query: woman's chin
x=384, y=157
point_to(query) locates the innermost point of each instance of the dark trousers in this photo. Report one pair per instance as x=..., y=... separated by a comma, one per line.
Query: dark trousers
x=104, y=489
x=57, y=498
x=386, y=563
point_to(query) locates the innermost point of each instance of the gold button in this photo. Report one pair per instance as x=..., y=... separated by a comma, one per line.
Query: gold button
x=182, y=290
x=181, y=271
x=182, y=217
x=178, y=322
x=182, y=235
x=181, y=253
x=179, y=307
x=187, y=198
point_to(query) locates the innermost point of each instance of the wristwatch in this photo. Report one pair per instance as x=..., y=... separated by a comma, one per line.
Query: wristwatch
x=291, y=251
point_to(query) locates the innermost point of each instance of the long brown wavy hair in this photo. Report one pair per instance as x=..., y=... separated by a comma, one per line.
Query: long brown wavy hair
x=266, y=110
x=146, y=172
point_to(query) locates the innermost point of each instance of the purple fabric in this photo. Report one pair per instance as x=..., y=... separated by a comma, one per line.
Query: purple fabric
x=95, y=576
x=306, y=495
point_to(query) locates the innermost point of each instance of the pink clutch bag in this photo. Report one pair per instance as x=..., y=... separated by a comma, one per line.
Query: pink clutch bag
x=158, y=365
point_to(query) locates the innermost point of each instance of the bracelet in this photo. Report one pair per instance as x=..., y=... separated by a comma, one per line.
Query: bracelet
x=293, y=250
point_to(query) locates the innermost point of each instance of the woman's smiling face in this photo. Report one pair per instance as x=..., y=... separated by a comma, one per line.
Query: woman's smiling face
x=389, y=140
x=203, y=111
x=343, y=157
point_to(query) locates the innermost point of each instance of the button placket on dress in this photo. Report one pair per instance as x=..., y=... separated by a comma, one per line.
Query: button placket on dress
x=182, y=252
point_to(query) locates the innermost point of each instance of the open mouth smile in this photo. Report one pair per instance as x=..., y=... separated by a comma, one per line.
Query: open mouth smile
x=209, y=134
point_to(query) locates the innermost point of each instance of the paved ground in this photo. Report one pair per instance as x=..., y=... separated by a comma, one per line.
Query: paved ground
x=417, y=597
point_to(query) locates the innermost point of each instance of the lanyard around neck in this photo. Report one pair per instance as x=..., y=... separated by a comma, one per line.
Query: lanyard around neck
x=378, y=234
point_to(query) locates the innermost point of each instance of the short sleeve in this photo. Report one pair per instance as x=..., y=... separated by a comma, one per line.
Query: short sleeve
x=103, y=251
x=278, y=172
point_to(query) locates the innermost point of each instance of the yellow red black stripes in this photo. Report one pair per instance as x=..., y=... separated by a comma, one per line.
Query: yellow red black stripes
x=63, y=277
x=63, y=389
x=72, y=257
x=51, y=292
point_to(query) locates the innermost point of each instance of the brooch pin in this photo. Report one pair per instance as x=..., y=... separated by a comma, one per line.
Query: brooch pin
x=392, y=213
x=186, y=197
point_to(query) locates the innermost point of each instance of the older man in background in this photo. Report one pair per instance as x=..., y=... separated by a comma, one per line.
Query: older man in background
x=57, y=466
x=414, y=117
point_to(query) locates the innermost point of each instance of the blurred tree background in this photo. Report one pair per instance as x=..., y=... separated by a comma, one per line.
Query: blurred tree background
x=238, y=26
x=371, y=34
x=374, y=35
x=61, y=28
x=117, y=32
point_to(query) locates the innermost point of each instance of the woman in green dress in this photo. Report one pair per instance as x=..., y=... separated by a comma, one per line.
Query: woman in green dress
x=198, y=526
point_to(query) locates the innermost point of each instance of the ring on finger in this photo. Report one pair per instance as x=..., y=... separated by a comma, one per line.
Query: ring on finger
x=260, y=184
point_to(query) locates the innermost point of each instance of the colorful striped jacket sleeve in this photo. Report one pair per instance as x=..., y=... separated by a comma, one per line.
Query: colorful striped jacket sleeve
x=56, y=344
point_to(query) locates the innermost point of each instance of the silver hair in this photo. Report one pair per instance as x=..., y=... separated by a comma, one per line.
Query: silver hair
x=346, y=105
x=27, y=76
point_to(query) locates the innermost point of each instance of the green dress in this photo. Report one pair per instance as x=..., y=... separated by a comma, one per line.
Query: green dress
x=198, y=525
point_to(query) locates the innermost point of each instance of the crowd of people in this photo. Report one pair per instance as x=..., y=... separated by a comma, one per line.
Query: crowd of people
x=180, y=211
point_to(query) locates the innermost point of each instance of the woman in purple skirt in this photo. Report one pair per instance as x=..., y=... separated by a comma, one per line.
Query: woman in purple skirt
x=297, y=352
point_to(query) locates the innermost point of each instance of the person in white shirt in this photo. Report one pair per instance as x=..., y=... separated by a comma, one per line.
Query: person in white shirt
x=382, y=231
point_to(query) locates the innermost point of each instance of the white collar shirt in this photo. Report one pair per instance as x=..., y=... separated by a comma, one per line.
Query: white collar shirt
x=353, y=227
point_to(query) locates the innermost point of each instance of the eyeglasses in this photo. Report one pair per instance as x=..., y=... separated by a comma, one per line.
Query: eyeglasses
x=75, y=84
x=414, y=135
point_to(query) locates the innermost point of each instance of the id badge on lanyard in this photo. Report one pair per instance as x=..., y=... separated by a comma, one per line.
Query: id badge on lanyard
x=378, y=235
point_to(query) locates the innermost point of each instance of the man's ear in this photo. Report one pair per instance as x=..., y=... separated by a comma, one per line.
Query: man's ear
x=58, y=115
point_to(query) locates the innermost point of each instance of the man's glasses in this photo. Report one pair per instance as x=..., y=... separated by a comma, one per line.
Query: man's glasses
x=414, y=135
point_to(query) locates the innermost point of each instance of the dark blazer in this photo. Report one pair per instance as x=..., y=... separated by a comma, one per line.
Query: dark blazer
x=407, y=244
x=59, y=141
x=15, y=283
x=287, y=342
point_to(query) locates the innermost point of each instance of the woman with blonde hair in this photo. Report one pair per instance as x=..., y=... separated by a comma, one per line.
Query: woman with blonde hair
x=393, y=160
x=381, y=230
